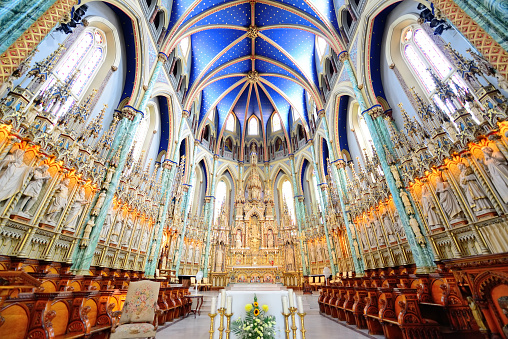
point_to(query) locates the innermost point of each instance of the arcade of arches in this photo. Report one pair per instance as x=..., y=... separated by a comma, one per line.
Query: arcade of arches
x=257, y=141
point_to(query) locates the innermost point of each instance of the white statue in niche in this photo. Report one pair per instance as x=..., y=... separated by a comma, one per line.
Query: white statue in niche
x=12, y=178
x=219, y=258
x=370, y=235
x=498, y=170
x=387, y=221
x=239, y=239
x=190, y=252
x=129, y=224
x=107, y=224
x=447, y=199
x=379, y=232
x=319, y=251
x=59, y=201
x=270, y=239
x=135, y=237
x=430, y=209
x=75, y=210
x=474, y=193
x=197, y=255
x=33, y=189
x=144, y=241
x=116, y=230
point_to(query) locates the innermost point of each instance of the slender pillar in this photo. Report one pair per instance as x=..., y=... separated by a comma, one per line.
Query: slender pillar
x=422, y=255
x=83, y=257
x=323, y=214
x=209, y=215
x=299, y=219
x=341, y=185
x=186, y=209
x=30, y=39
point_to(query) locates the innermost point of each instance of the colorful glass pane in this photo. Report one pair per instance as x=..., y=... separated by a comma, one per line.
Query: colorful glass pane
x=98, y=38
x=321, y=45
x=408, y=35
x=419, y=68
x=184, y=45
x=432, y=53
x=87, y=71
x=253, y=127
x=77, y=54
x=230, y=123
x=441, y=104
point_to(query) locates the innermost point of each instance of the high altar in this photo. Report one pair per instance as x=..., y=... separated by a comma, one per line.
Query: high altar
x=254, y=248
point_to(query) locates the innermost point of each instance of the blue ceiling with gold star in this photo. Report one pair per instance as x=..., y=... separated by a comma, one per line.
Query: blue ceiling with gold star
x=253, y=57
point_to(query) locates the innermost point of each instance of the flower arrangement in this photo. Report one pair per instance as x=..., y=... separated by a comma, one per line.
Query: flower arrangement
x=256, y=325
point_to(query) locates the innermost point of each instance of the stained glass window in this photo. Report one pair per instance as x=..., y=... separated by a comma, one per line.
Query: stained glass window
x=276, y=126
x=432, y=53
x=419, y=68
x=141, y=134
x=253, y=127
x=220, y=198
x=230, y=123
x=184, y=45
x=316, y=188
x=287, y=196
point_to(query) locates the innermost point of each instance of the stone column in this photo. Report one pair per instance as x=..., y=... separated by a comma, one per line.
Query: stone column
x=299, y=219
x=357, y=260
x=420, y=247
x=322, y=196
x=30, y=39
x=209, y=215
x=83, y=257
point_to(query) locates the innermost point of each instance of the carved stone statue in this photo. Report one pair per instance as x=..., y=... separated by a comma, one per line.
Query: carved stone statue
x=115, y=234
x=498, y=170
x=447, y=199
x=477, y=314
x=144, y=241
x=416, y=230
x=319, y=252
x=406, y=202
x=12, y=178
x=387, y=221
x=99, y=203
x=270, y=239
x=129, y=224
x=75, y=210
x=190, y=252
x=430, y=209
x=107, y=224
x=474, y=193
x=59, y=201
x=379, y=233
x=219, y=258
x=135, y=238
x=501, y=81
x=197, y=255
x=33, y=189
x=238, y=239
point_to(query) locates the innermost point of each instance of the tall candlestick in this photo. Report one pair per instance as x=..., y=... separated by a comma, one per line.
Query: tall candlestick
x=228, y=308
x=285, y=305
x=300, y=304
x=213, y=310
x=291, y=298
x=223, y=298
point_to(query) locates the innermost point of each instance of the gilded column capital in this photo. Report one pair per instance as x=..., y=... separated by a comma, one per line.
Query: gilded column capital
x=376, y=112
x=196, y=142
x=185, y=113
x=321, y=113
x=215, y=156
x=300, y=199
x=341, y=164
x=162, y=57
x=167, y=165
x=343, y=56
x=292, y=157
x=129, y=113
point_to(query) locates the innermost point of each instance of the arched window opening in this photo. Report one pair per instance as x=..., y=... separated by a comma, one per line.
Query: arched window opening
x=220, y=198
x=78, y=67
x=230, y=123
x=206, y=133
x=321, y=45
x=423, y=57
x=253, y=127
x=362, y=132
x=184, y=46
x=316, y=189
x=287, y=197
x=141, y=134
x=276, y=124
x=158, y=19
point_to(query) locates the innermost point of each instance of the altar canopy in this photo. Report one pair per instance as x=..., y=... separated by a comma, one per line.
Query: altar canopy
x=271, y=298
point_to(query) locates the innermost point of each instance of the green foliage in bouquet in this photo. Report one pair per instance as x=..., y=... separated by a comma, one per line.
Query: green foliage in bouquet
x=256, y=325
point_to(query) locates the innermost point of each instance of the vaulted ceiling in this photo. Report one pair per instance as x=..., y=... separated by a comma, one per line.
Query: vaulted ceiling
x=253, y=57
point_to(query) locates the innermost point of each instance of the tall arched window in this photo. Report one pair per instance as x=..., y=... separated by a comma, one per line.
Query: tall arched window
x=276, y=124
x=321, y=45
x=184, y=46
x=230, y=123
x=316, y=188
x=423, y=57
x=253, y=127
x=141, y=135
x=287, y=196
x=79, y=66
x=220, y=198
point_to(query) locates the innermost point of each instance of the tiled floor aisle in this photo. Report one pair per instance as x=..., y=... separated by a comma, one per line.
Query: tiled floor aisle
x=317, y=327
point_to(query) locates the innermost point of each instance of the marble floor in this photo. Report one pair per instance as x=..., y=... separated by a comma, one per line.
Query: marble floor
x=317, y=326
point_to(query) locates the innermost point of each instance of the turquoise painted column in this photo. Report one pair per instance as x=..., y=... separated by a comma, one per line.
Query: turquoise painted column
x=17, y=16
x=323, y=214
x=209, y=215
x=156, y=235
x=299, y=219
x=357, y=257
x=83, y=256
x=186, y=207
x=422, y=255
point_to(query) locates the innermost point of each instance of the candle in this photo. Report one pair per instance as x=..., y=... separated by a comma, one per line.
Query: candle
x=213, y=310
x=228, y=308
x=291, y=298
x=285, y=305
x=300, y=304
x=223, y=298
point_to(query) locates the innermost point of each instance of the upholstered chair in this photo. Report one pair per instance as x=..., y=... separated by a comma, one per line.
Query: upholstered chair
x=137, y=318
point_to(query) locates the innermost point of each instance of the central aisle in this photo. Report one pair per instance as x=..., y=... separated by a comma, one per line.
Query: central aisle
x=317, y=327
